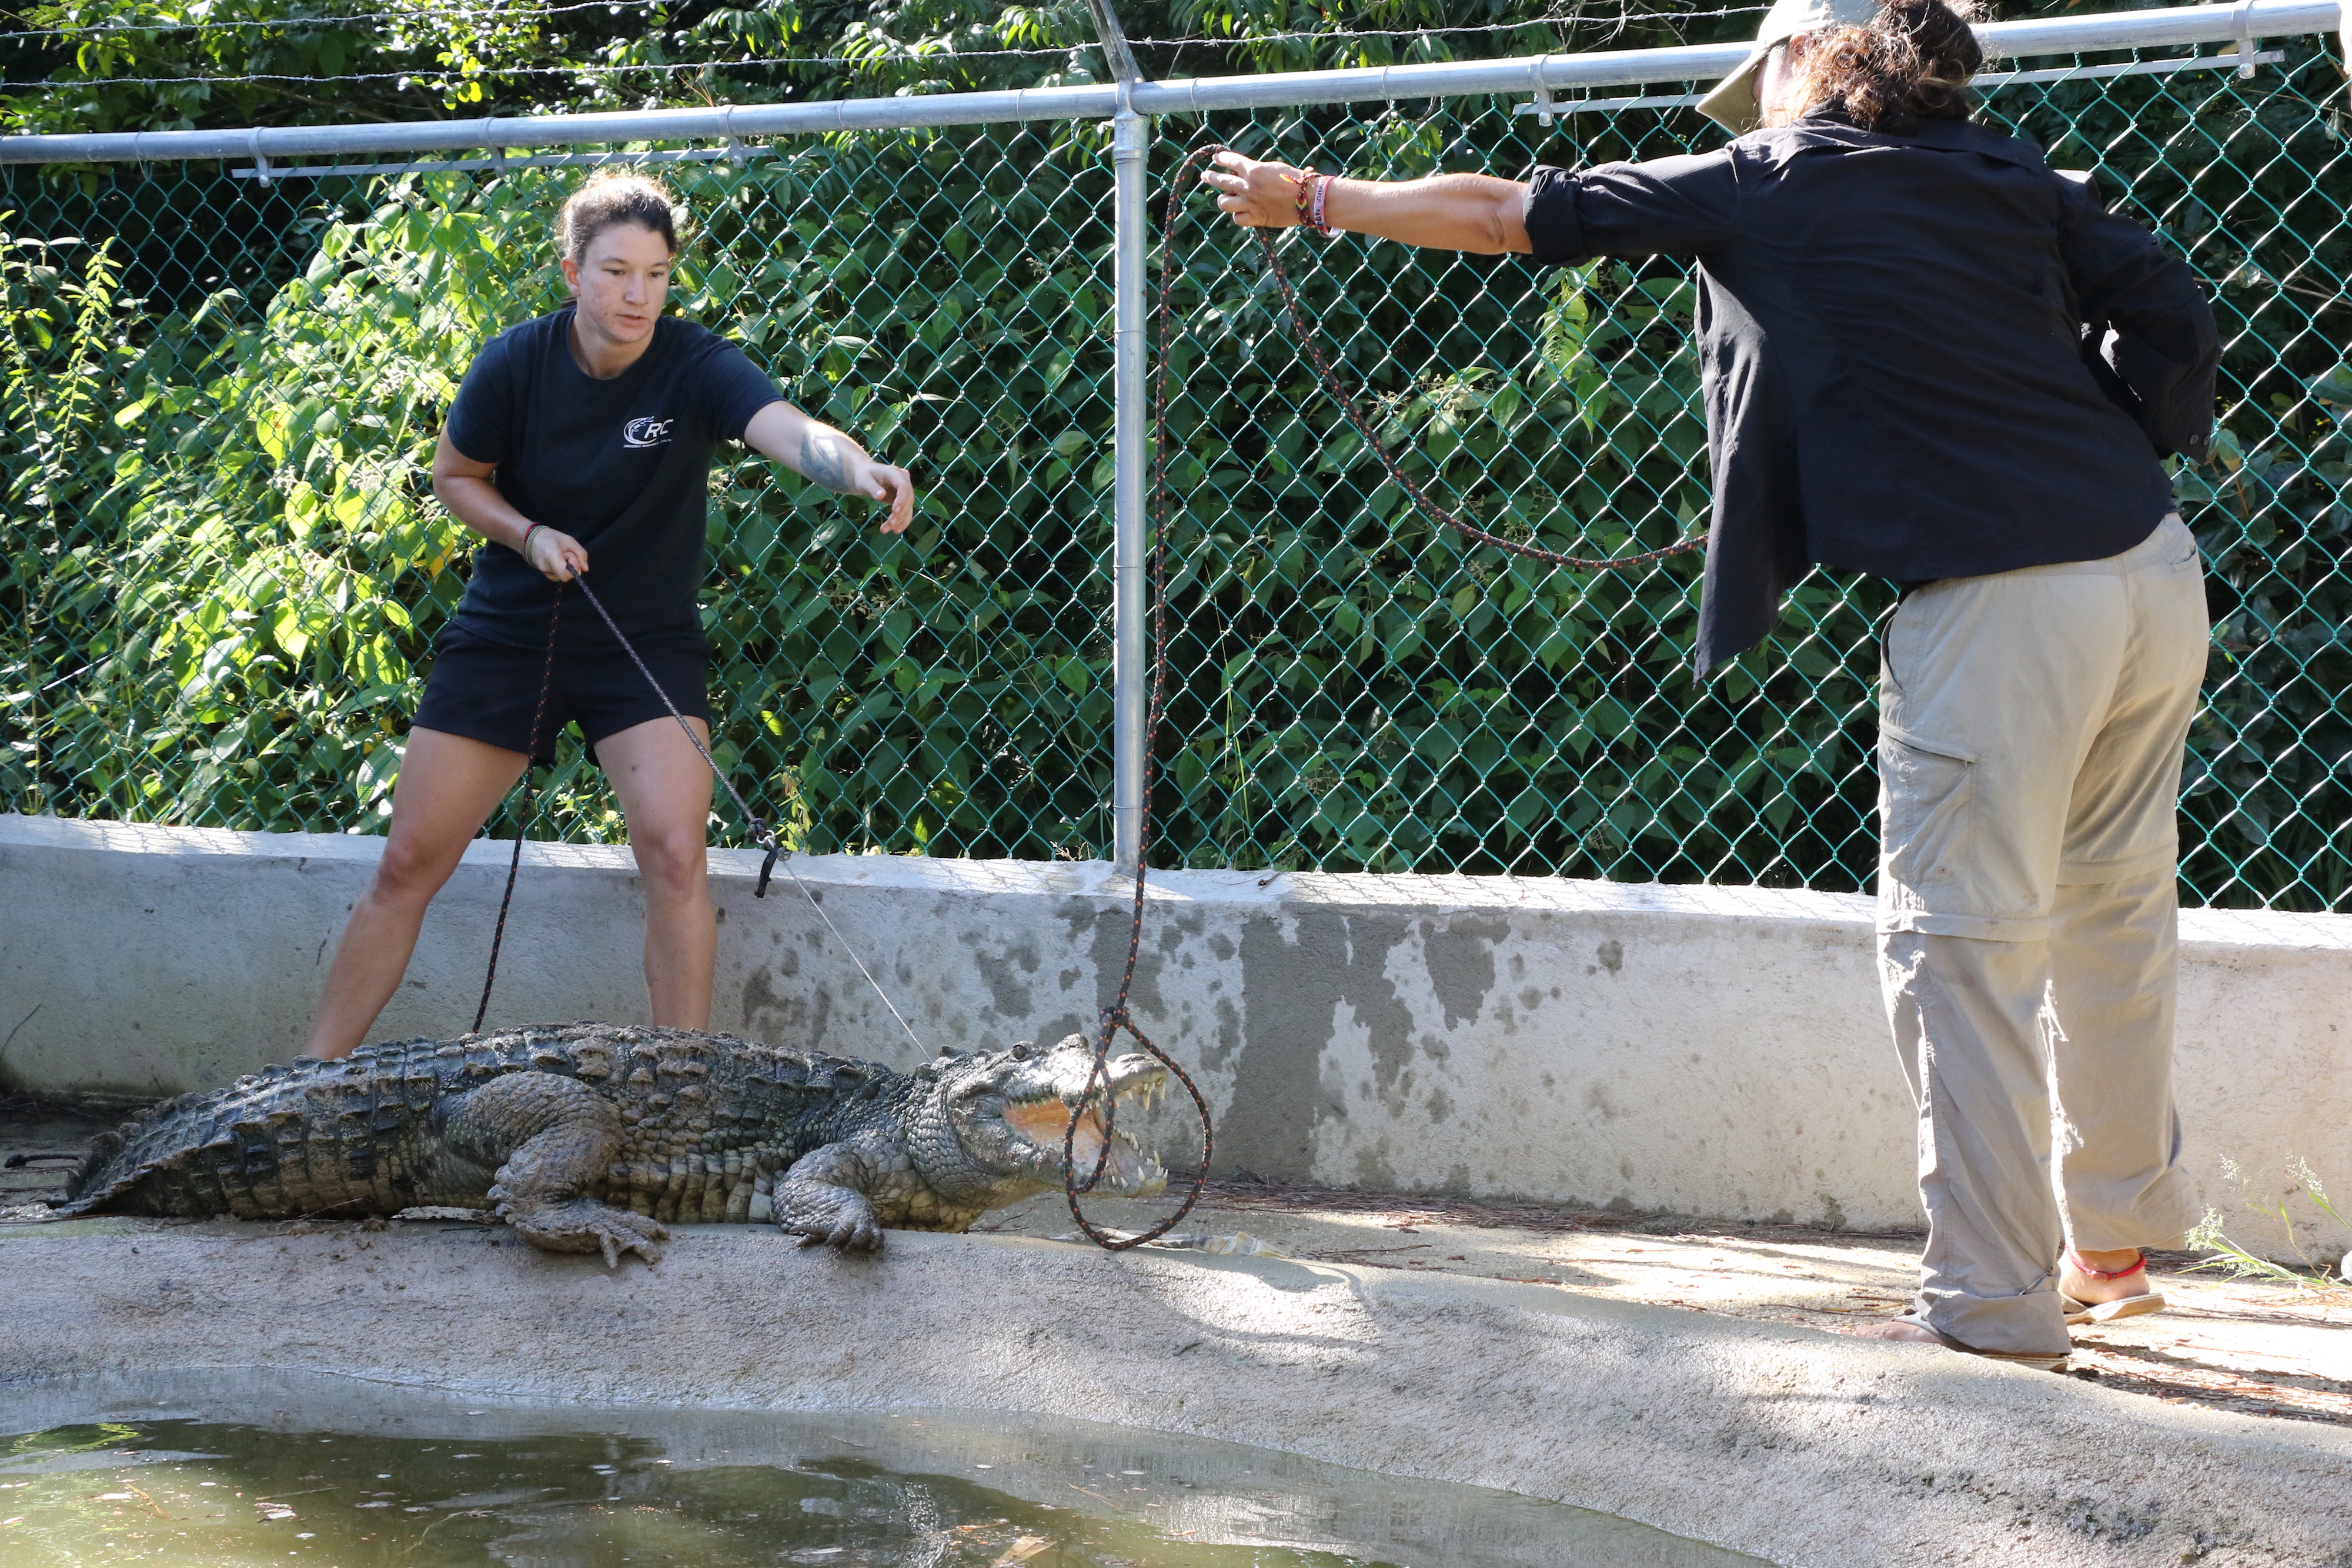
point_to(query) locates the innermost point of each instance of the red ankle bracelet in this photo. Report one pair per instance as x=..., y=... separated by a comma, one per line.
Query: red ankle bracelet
x=2076, y=1259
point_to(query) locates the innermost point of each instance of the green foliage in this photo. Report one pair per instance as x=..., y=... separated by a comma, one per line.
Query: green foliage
x=155, y=65
x=266, y=537
x=230, y=569
x=1359, y=691
x=62, y=352
x=158, y=64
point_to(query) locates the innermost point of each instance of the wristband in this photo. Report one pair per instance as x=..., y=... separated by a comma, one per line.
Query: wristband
x=1316, y=220
x=523, y=550
x=1302, y=188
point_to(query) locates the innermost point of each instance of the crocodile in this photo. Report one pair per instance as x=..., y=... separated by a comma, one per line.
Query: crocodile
x=592, y=1137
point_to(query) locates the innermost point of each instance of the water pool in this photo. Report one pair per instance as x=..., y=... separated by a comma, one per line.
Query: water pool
x=223, y=1469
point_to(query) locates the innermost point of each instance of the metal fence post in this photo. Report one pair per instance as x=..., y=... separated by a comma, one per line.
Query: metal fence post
x=1130, y=658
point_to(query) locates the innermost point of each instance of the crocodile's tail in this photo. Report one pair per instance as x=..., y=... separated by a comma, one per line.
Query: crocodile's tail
x=105, y=1173
x=122, y=1158
x=219, y=1151
x=103, y=1151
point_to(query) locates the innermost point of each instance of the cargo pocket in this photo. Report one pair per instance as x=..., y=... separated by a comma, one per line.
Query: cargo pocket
x=1925, y=818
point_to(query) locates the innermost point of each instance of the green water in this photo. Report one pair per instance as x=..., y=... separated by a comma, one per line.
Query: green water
x=427, y=1482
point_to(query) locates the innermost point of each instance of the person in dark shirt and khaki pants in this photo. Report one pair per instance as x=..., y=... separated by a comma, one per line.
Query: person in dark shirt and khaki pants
x=1928, y=355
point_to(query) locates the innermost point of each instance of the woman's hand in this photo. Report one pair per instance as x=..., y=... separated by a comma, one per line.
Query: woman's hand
x=557, y=557
x=884, y=482
x=1257, y=194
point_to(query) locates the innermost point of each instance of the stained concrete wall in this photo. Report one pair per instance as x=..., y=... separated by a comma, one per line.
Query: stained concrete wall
x=1717, y=1051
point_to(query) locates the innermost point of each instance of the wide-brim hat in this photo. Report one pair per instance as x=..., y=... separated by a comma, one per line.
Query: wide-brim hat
x=1732, y=104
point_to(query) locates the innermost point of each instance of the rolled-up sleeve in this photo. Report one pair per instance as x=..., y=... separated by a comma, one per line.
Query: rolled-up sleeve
x=2147, y=324
x=1667, y=206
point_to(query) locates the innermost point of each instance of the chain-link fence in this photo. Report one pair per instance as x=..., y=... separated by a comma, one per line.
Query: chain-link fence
x=232, y=568
x=224, y=568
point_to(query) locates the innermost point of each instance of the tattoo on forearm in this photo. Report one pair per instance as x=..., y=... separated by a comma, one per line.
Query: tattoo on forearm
x=824, y=457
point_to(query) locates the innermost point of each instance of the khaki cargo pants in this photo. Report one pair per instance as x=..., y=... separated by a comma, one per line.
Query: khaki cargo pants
x=2031, y=725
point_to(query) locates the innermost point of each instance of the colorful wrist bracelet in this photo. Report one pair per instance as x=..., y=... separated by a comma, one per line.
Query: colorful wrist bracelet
x=1302, y=190
x=523, y=550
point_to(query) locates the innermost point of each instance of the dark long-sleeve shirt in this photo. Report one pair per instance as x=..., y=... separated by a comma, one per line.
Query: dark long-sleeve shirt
x=1923, y=355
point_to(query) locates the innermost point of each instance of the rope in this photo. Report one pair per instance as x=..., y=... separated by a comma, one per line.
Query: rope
x=1119, y=1015
x=1305, y=331
x=522, y=819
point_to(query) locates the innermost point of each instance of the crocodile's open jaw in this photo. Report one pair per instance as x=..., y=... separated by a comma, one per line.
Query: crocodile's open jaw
x=1045, y=1122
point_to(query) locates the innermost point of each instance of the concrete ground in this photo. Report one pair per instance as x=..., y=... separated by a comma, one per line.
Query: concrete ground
x=1783, y=1443
x=2250, y=1347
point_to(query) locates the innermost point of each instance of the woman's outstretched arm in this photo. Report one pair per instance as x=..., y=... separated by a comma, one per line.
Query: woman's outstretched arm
x=1450, y=212
x=821, y=453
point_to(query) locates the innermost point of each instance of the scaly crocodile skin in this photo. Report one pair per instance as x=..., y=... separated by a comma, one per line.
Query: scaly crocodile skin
x=589, y=1137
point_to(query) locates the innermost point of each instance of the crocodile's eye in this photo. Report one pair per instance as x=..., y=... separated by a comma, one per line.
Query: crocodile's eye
x=1020, y=1051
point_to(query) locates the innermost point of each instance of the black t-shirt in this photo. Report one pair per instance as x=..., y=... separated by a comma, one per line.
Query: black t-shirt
x=623, y=465
x=1924, y=355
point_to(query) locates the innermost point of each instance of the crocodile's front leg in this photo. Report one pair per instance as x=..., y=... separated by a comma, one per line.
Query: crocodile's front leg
x=548, y=1138
x=830, y=1194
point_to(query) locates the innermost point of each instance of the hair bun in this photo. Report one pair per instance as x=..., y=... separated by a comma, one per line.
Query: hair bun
x=612, y=196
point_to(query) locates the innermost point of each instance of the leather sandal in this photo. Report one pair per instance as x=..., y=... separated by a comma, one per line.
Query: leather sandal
x=2132, y=1306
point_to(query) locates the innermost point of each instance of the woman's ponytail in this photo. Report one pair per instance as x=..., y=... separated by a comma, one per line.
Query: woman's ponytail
x=1910, y=62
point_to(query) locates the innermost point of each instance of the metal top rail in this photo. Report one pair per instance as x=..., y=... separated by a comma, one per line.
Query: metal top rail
x=2240, y=23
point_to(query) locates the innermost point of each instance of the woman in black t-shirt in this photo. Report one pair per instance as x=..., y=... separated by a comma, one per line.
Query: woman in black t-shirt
x=590, y=429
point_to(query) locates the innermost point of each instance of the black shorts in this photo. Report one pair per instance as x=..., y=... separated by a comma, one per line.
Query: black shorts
x=487, y=691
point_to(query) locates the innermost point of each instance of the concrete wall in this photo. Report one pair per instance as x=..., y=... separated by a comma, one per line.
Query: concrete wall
x=1714, y=1051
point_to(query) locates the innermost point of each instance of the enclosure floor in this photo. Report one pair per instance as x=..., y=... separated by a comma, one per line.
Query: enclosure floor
x=2252, y=1348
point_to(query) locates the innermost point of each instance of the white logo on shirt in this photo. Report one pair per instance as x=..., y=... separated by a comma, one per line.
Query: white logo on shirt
x=647, y=432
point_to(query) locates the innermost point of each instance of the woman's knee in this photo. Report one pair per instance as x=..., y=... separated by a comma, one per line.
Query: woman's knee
x=410, y=872
x=673, y=860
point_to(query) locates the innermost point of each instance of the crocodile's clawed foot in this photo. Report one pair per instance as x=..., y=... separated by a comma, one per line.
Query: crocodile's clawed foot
x=847, y=1233
x=584, y=1225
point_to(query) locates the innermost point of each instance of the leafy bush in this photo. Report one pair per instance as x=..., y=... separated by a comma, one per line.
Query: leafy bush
x=234, y=569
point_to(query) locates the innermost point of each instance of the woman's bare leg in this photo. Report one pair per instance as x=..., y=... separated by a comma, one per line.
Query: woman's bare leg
x=663, y=788
x=448, y=786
